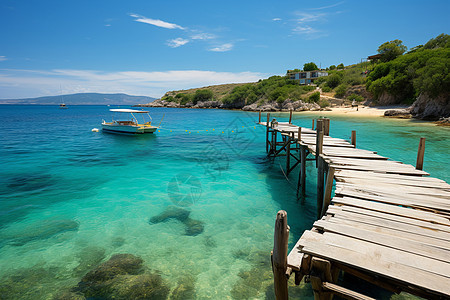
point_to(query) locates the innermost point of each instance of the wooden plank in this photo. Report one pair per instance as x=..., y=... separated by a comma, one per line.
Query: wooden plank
x=365, y=178
x=343, y=292
x=380, y=169
x=393, y=229
x=400, y=243
x=376, y=259
x=294, y=259
x=393, y=209
x=443, y=236
x=416, y=201
x=431, y=181
x=406, y=188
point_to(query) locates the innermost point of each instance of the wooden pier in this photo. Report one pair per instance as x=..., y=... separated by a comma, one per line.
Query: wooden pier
x=388, y=223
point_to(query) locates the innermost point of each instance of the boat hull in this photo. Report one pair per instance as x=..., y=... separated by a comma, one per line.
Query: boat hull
x=128, y=129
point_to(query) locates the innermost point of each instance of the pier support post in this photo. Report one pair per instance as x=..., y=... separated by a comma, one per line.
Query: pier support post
x=302, y=175
x=299, y=135
x=288, y=154
x=420, y=154
x=267, y=133
x=290, y=116
x=312, y=124
x=327, y=127
x=353, y=138
x=279, y=256
x=328, y=189
x=319, y=138
x=259, y=120
x=320, y=183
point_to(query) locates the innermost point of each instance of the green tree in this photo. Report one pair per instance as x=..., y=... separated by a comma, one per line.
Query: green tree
x=203, y=95
x=314, y=97
x=340, y=66
x=334, y=80
x=340, y=91
x=391, y=50
x=332, y=67
x=310, y=66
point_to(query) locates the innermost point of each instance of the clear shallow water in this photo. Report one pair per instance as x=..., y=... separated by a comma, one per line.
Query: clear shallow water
x=70, y=198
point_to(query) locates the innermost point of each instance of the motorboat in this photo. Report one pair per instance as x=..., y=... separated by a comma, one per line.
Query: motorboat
x=63, y=106
x=126, y=121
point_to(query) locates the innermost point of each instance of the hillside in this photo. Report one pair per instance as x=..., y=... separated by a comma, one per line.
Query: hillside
x=219, y=91
x=82, y=99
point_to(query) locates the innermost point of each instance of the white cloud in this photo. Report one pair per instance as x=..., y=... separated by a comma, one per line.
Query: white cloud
x=155, y=22
x=329, y=6
x=304, y=29
x=222, y=48
x=177, y=42
x=202, y=36
x=310, y=17
x=35, y=83
x=3, y=58
x=276, y=19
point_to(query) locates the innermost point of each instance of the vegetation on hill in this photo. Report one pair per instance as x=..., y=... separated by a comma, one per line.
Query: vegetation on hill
x=424, y=69
x=273, y=89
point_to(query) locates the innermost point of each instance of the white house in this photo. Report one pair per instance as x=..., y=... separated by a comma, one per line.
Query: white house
x=306, y=77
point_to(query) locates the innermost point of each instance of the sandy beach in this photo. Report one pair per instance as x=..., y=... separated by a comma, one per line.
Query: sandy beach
x=362, y=111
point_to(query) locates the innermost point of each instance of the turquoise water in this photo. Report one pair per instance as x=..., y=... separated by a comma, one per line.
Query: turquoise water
x=70, y=198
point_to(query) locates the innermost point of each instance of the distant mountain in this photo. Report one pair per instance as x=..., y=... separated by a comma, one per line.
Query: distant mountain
x=83, y=99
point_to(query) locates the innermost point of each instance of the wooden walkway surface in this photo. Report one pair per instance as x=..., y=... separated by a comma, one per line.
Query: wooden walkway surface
x=388, y=222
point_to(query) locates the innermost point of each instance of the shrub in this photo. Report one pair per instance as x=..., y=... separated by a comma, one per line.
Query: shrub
x=334, y=80
x=326, y=89
x=202, y=95
x=308, y=88
x=355, y=97
x=314, y=97
x=340, y=91
x=168, y=98
x=183, y=98
x=324, y=103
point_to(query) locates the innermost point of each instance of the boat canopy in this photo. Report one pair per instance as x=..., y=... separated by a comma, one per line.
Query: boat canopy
x=125, y=110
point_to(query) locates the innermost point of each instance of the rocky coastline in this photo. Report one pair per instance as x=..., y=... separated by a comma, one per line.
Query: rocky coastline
x=266, y=106
x=425, y=108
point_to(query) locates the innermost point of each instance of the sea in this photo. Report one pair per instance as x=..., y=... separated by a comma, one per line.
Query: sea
x=195, y=202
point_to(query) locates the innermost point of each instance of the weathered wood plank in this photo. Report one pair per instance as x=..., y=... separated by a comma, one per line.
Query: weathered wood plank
x=385, y=223
x=379, y=260
x=395, y=229
x=380, y=169
x=395, y=187
x=399, y=243
x=430, y=181
x=416, y=201
x=393, y=209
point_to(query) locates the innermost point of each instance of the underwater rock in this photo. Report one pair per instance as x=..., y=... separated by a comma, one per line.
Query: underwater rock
x=122, y=277
x=89, y=258
x=144, y=286
x=68, y=295
x=27, y=283
x=117, y=242
x=38, y=231
x=185, y=289
x=193, y=227
x=171, y=212
x=209, y=242
x=30, y=182
x=96, y=281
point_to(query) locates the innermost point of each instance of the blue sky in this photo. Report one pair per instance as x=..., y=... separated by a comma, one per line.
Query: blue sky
x=149, y=47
